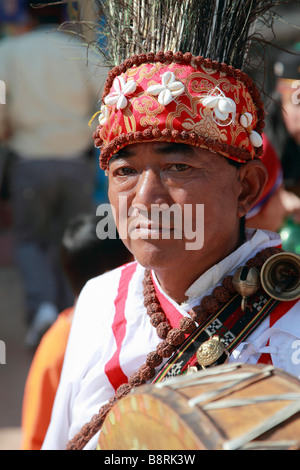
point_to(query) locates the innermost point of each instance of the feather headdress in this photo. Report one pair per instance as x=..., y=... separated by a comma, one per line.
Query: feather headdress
x=217, y=29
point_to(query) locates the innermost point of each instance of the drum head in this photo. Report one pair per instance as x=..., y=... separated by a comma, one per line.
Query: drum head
x=232, y=406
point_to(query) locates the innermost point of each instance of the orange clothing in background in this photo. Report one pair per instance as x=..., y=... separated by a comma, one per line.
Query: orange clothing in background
x=42, y=382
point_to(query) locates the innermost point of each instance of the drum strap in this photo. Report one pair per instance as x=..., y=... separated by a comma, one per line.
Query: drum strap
x=230, y=323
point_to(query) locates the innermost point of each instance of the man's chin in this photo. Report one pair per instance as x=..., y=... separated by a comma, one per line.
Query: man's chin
x=152, y=254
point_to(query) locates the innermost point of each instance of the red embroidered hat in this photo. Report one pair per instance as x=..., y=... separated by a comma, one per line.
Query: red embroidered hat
x=180, y=98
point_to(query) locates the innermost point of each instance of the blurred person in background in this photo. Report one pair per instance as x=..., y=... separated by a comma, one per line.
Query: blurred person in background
x=276, y=204
x=51, y=95
x=283, y=130
x=84, y=256
x=283, y=119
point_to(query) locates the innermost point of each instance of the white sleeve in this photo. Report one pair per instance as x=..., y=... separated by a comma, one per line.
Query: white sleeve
x=90, y=322
x=57, y=435
x=285, y=342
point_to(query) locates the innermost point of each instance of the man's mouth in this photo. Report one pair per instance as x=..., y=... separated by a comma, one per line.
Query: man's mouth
x=148, y=229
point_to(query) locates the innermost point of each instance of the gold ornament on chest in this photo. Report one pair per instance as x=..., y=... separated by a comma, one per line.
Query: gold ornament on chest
x=210, y=351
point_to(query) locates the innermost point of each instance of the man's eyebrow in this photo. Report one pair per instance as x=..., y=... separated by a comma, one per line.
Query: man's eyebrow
x=122, y=153
x=174, y=147
x=164, y=148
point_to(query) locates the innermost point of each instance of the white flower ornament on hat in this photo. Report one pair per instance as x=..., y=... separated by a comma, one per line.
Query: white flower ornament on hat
x=255, y=137
x=104, y=110
x=168, y=90
x=122, y=90
x=222, y=106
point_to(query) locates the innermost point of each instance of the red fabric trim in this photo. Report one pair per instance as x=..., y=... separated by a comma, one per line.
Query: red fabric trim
x=170, y=311
x=113, y=368
x=233, y=319
x=265, y=358
x=280, y=310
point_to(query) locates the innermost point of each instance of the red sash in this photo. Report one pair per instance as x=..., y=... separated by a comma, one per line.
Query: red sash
x=113, y=368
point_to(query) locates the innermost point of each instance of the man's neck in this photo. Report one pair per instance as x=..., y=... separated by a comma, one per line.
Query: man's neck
x=175, y=282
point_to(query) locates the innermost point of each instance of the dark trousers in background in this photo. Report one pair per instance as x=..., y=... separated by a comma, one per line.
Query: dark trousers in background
x=45, y=195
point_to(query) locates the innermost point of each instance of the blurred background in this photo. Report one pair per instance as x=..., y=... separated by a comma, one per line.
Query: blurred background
x=29, y=139
x=37, y=93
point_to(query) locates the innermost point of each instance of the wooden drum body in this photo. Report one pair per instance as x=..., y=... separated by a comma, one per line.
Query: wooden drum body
x=234, y=406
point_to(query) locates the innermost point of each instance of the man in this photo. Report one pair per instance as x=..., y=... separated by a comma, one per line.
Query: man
x=180, y=138
x=146, y=175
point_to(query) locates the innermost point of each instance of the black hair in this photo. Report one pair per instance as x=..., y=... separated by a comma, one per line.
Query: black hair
x=84, y=255
x=242, y=219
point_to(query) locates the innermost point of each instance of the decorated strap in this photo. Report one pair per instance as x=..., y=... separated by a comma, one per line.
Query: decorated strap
x=230, y=325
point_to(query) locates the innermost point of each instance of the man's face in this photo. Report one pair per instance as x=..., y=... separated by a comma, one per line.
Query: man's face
x=191, y=180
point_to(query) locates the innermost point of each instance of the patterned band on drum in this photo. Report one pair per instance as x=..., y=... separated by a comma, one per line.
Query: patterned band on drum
x=180, y=98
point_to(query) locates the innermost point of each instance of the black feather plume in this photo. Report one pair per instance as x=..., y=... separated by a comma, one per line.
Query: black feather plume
x=219, y=29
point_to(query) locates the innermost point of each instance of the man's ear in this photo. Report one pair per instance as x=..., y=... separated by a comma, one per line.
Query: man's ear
x=253, y=177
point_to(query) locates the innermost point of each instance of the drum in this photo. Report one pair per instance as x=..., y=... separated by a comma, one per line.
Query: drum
x=233, y=406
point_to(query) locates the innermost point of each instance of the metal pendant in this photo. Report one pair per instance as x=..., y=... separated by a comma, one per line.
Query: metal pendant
x=210, y=351
x=280, y=276
x=246, y=281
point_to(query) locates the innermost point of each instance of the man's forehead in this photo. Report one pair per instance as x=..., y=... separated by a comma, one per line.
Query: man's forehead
x=160, y=148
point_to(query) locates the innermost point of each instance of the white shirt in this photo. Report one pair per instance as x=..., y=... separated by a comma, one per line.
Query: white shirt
x=51, y=93
x=84, y=385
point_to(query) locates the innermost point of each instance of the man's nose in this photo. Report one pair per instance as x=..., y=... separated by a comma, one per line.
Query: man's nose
x=150, y=190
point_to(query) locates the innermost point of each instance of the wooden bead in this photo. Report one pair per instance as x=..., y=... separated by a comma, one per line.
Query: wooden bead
x=210, y=305
x=164, y=349
x=187, y=325
x=157, y=318
x=198, y=314
x=135, y=380
x=227, y=282
x=175, y=337
x=221, y=294
x=163, y=329
x=123, y=390
x=153, y=359
x=146, y=372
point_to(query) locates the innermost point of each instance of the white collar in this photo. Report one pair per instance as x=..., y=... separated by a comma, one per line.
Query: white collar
x=256, y=240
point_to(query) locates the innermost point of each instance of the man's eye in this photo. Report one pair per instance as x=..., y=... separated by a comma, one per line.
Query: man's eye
x=179, y=167
x=124, y=171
